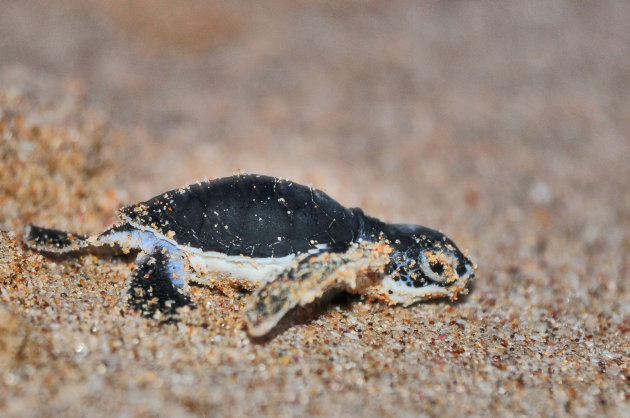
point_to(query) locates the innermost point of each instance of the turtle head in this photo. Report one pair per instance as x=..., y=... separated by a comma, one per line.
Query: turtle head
x=424, y=264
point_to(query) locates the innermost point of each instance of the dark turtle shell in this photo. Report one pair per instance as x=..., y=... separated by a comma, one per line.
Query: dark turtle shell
x=253, y=215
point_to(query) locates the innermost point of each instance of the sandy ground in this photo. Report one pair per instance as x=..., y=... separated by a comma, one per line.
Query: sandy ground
x=506, y=126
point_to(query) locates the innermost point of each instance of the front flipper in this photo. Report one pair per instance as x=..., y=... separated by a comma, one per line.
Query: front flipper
x=54, y=241
x=310, y=278
x=152, y=288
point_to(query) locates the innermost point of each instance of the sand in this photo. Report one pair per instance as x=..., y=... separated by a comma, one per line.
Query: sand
x=505, y=126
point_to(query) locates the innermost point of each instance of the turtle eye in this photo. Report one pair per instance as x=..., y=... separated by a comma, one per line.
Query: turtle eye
x=438, y=266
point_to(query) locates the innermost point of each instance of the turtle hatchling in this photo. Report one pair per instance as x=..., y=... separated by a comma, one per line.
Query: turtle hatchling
x=287, y=242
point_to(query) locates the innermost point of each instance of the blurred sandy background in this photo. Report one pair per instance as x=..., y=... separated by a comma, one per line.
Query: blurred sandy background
x=505, y=124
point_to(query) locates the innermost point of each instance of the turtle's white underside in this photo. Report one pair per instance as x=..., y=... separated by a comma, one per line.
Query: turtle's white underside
x=206, y=265
x=405, y=295
x=209, y=264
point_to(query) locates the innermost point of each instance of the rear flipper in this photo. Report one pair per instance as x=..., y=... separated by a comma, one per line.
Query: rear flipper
x=310, y=279
x=152, y=288
x=54, y=241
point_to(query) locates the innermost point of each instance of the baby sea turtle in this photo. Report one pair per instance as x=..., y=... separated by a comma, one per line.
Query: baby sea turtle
x=290, y=242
